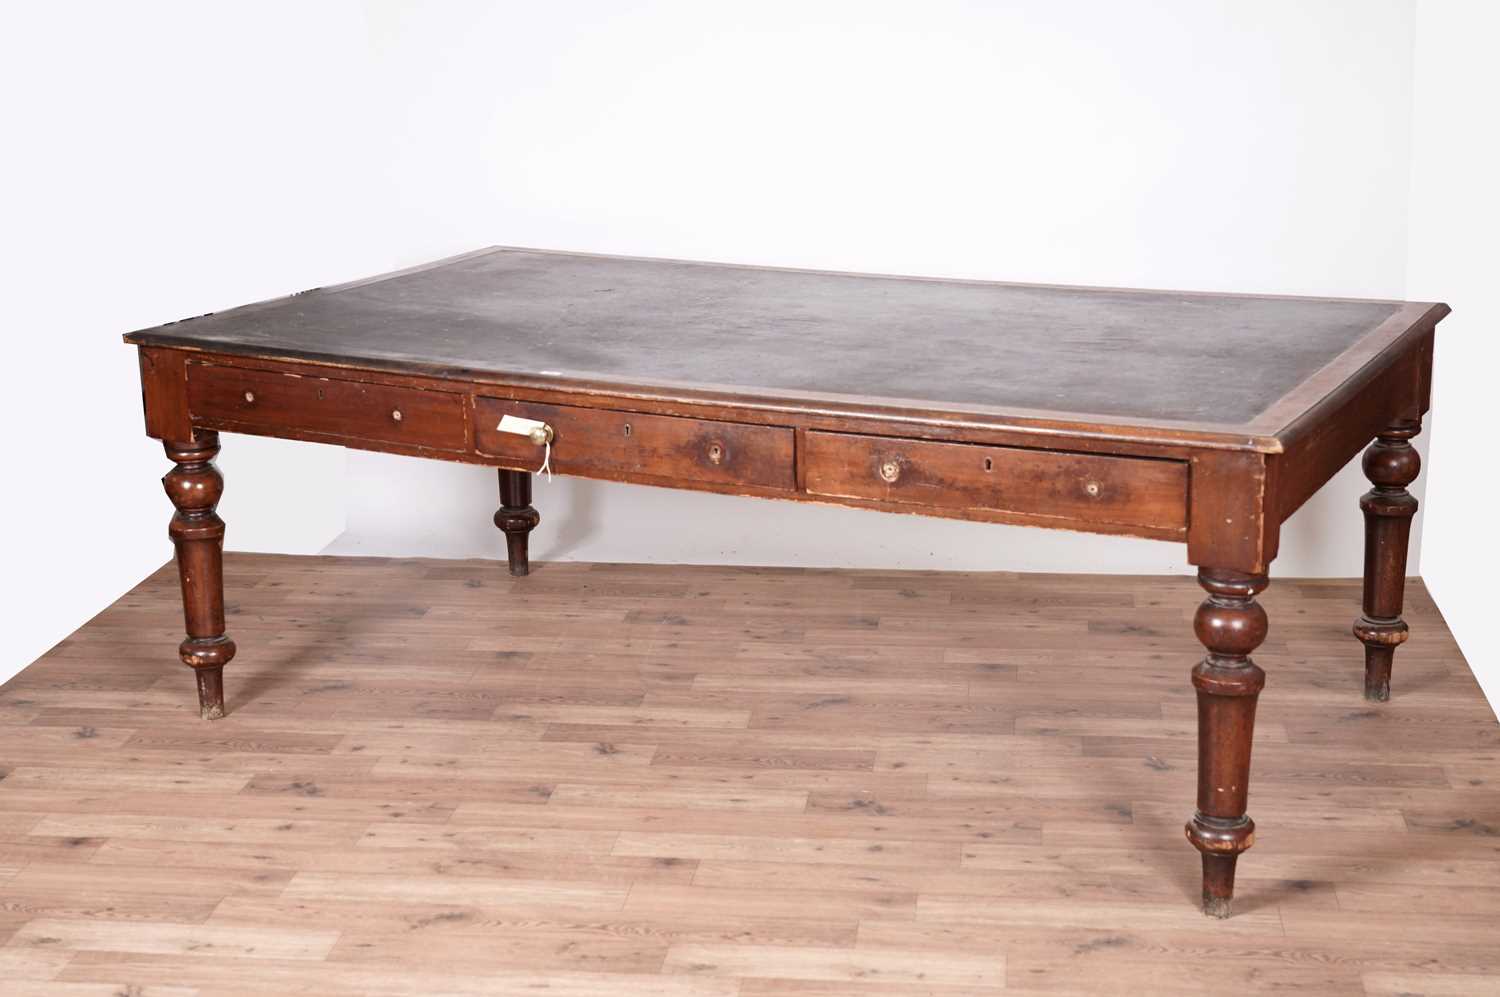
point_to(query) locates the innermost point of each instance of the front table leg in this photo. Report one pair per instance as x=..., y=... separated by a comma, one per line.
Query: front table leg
x=194, y=486
x=1231, y=624
x=516, y=518
x=1391, y=463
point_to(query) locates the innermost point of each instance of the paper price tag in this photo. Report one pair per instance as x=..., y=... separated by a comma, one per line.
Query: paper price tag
x=534, y=430
x=519, y=426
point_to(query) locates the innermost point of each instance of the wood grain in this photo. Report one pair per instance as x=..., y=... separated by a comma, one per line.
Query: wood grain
x=1077, y=488
x=255, y=400
x=631, y=446
x=730, y=782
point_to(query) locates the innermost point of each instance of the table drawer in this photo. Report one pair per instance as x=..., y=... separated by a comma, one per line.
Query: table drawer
x=629, y=446
x=1085, y=488
x=260, y=399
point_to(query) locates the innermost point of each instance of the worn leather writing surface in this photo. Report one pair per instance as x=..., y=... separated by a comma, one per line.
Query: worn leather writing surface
x=1135, y=355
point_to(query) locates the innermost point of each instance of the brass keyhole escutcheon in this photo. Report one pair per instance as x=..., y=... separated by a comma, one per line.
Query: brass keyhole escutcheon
x=890, y=470
x=627, y=429
x=715, y=453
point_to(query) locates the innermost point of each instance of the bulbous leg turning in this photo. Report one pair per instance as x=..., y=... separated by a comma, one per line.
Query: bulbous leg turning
x=1391, y=463
x=516, y=518
x=1230, y=624
x=194, y=485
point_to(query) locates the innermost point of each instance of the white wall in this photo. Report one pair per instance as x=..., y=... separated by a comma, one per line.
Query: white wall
x=162, y=160
x=1454, y=252
x=1187, y=144
x=181, y=157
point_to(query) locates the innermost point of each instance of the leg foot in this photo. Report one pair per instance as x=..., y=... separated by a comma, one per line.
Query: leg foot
x=1377, y=669
x=210, y=692
x=1230, y=624
x=1218, y=884
x=1391, y=463
x=194, y=485
x=516, y=518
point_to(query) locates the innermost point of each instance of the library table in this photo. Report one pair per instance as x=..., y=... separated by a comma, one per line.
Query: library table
x=1205, y=419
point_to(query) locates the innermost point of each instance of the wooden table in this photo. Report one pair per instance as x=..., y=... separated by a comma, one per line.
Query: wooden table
x=1206, y=419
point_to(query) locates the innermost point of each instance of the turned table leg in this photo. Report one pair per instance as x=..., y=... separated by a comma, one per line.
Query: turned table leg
x=1230, y=624
x=1391, y=463
x=194, y=485
x=516, y=517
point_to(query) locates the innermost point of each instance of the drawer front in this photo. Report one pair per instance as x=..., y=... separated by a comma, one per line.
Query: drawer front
x=1085, y=488
x=629, y=446
x=259, y=399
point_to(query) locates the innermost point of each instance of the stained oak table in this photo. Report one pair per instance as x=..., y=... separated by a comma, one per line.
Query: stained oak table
x=1205, y=419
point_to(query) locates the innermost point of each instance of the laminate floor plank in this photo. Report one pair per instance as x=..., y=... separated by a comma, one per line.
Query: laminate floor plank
x=701, y=781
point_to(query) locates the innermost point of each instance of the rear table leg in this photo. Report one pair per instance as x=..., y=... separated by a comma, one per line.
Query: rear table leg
x=1391, y=463
x=516, y=517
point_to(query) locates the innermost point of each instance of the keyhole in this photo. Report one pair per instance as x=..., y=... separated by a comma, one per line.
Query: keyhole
x=627, y=429
x=989, y=464
x=715, y=453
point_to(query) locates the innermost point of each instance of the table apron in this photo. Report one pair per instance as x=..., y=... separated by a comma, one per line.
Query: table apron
x=940, y=470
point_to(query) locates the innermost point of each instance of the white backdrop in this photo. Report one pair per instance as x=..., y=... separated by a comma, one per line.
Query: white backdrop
x=183, y=159
x=1185, y=144
x=1455, y=227
x=162, y=160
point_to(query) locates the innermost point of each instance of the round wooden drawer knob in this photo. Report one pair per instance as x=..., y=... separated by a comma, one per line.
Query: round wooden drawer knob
x=396, y=414
x=890, y=470
x=250, y=397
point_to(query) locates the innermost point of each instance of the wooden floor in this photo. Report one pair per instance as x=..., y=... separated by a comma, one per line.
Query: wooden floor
x=702, y=782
